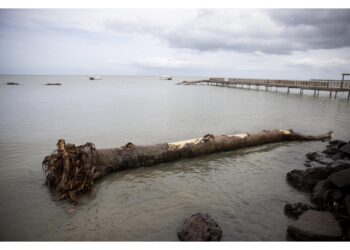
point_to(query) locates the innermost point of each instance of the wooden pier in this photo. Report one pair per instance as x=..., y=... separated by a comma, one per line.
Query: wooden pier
x=316, y=86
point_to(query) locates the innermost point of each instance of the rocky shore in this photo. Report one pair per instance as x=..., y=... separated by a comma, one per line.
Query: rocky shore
x=327, y=180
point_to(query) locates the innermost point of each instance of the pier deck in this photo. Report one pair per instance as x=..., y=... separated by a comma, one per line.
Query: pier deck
x=316, y=86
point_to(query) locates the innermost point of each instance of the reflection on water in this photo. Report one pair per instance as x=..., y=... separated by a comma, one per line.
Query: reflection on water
x=244, y=190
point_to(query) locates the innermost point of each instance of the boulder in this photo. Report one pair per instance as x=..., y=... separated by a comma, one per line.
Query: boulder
x=347, y=203
x=345, y=148
x=200, y=227
x=314, y=156
x=341, y=164
x=341, y=178
x=336, y=142
x=316, y=226
x=339, y=156
x=294, y=210
x=306, y=180
x=331, y=151
x=321, y=196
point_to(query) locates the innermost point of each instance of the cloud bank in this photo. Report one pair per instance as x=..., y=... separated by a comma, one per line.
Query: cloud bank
x=253, y=43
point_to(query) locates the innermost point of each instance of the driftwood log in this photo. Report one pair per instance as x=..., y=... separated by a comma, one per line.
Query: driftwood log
x=71, y=170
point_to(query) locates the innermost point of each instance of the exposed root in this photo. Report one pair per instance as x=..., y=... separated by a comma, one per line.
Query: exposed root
x=70, y=169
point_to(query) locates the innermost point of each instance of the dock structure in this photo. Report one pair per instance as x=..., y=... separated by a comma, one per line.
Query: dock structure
x=314, y=85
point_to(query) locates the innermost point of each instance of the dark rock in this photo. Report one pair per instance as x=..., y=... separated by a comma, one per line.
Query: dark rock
x=294, y=210
x=321, y=195
x=336, y=142
x=307, y=163
x=331, y=151
x=347, y=203
x=200, y=227
x=315, y=225
x=306, y=180
x=337, y=195
x=53, y=84
x=339, y=156
x=341, y=178
x=345, y=149
x=311, y=156
x=12, y=83
x=341, y=164
x=314, y=156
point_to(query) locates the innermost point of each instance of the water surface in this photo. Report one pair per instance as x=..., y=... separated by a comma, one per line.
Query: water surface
x=244, y=191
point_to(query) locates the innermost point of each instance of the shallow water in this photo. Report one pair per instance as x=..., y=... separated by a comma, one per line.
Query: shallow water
x=244, y=191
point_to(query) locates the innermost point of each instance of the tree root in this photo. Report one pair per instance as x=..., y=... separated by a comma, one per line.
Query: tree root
x=70, y=169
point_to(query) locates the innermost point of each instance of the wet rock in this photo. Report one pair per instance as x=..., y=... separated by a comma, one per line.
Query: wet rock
x=294, y=210
x=346, y=148
x=339, y=156
x=200, y=227
x=341, y=178
x=315, y=225
x=314, y=156
x=337, y=195
x=341, y=164
x=337, y=142
x=331, y=151
x=347, y=203
x=306, y=180
x=322, y=193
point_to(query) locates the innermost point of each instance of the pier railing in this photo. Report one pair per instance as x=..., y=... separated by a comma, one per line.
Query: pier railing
x=317, y=86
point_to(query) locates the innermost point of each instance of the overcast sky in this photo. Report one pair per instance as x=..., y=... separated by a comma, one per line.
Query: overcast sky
x=288, y=44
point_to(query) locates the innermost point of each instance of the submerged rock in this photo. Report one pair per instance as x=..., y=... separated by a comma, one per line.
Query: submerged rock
x=294, y=210
x=315, y=225
x=200, y=227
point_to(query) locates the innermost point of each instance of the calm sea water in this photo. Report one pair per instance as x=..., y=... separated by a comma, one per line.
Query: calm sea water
x=244, y=191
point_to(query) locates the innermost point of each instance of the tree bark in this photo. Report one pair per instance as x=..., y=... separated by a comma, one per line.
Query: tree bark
x=86, y=164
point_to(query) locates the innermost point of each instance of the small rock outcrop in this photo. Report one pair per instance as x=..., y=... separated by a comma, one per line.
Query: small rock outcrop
x=12, y=83
x=199, y=227
x=316, y=225
x=53, y=84
x=294, y=210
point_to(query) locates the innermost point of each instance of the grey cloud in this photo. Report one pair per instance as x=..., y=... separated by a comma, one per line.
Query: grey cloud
x=269, y=31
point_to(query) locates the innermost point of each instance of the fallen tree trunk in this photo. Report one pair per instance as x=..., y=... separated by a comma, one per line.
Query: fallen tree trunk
x=71, y=170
